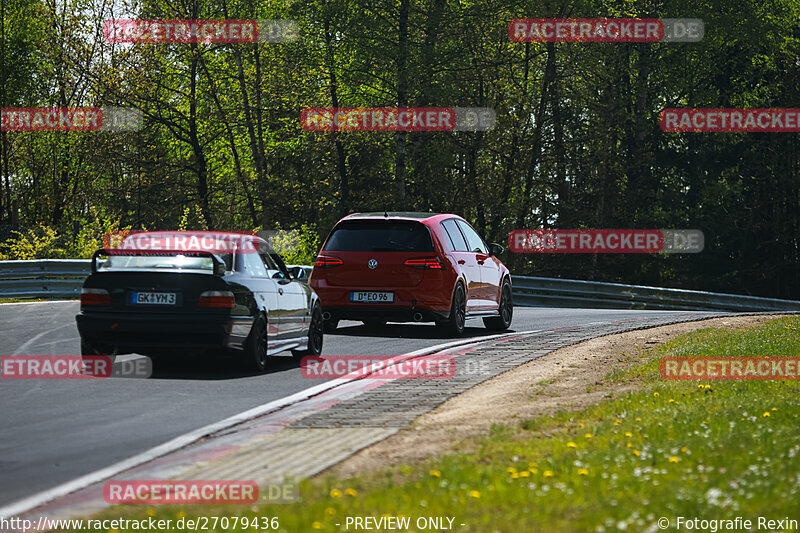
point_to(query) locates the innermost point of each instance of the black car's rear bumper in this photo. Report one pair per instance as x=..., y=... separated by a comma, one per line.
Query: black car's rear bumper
x=129, y=333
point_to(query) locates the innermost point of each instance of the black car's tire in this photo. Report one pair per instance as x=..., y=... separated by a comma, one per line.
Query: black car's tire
x=375, y=323
x=254, y=357
x=330, y=325
x=454, y=325
x=87, y=349
x=502, y=322
x=315, y=335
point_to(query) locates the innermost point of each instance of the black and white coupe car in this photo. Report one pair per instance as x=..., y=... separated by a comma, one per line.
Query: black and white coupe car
x=162, y=294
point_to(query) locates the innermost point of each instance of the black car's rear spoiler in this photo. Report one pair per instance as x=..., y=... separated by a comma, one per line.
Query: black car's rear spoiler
x=219, y=264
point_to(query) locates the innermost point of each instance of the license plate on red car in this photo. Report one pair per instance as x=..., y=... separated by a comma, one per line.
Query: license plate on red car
x=371, y=297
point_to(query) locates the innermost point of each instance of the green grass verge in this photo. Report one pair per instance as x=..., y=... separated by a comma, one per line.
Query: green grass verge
x=674, y=448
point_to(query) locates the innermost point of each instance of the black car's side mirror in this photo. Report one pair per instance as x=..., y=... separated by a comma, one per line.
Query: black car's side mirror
x=495, y=249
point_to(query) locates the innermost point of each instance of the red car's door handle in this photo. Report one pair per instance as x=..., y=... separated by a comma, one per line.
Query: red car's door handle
x=461, y=261
x=480, y=262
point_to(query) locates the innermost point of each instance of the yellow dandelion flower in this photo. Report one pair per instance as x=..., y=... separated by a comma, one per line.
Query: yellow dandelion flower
x=514, y=476
x=630, y=445
x=766, y=413
x=511, y=469
x=330, y=511
x=181, y=514
x=638, y=419
x=700, y=386
x=474, y=494
x=628, y=434
x=571, y=445
x=673, y=459
x=588, y=436
x=774, y=408
x=656, y=394
x=583, y=472
x=707, y=386
x=547, y=473
x=435, y=473
x=335, y=493
x=534, y=471
x=683, y=450
x=580, y=425
x=671, y=401
x=617, y=422
x=637, y=453
x=351, y=492
x=533, y=464
x=151, y=512
x=316, y=525
x=524, y=473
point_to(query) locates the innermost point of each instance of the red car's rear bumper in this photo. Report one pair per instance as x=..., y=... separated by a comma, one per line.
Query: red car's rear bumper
x=431, y=299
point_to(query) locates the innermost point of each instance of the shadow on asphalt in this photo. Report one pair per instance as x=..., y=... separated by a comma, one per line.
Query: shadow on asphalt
x=208, y=368
x=413, y=331
x=215, y=368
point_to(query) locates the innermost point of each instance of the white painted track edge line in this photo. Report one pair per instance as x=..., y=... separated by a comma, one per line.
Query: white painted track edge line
x=40, y=498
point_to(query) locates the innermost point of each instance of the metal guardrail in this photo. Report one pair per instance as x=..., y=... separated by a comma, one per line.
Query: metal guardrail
x=554, y=292
x=62, y=278
x=44, y=278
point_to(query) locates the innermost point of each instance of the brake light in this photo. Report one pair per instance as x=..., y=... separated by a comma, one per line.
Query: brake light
x=216, y=299
x=95, y=297
x=327, y=262
x=427, y=263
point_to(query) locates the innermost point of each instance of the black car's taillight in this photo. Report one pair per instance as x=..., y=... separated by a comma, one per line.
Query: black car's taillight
x=425, y=263
x=216, y=299
x=324, y=261
x=97, y=297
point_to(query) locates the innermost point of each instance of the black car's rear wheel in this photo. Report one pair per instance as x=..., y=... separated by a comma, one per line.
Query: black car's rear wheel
x=503, y=321
x=315, y=335
x=458, y=313
x=254, y=357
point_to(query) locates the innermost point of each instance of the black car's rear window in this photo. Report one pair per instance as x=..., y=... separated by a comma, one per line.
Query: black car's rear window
x=376, y=236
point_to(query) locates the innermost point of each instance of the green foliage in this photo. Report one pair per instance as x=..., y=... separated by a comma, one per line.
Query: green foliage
x=36, y=243
x=44, y=242
x=576, y=144
x=296, y=247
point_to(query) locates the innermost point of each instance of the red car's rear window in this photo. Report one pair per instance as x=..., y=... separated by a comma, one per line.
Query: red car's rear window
x=379, y=236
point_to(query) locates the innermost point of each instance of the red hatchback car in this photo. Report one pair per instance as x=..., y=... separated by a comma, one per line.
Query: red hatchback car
x=403, y=267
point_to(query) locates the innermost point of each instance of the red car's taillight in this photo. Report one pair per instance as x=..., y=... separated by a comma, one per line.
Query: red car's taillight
x=327, y=262
x=95, y=297
x=217, y=299
x=427, y=263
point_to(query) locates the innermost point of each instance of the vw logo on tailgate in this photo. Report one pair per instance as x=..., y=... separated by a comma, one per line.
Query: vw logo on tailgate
x=372, y=263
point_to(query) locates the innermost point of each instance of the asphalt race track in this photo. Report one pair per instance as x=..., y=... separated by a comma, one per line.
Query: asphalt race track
x=52, y=431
